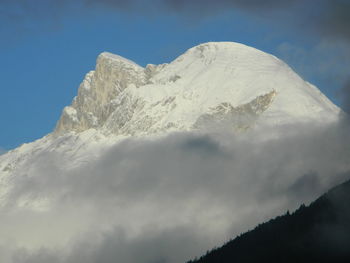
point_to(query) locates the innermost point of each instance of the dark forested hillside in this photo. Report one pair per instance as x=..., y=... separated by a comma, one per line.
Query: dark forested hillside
x=317, y=233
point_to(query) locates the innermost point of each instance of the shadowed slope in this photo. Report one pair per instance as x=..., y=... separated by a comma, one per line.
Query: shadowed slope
x=317, y=233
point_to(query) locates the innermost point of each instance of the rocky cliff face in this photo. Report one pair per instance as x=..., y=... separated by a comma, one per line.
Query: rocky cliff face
x=98, y=93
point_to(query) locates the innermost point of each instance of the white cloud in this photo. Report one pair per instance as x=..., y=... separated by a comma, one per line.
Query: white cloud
x=170, y=199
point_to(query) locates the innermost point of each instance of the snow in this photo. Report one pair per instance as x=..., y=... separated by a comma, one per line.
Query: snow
x=227, y=85
x=117, y=58
x=214, y=84
x=127, y=99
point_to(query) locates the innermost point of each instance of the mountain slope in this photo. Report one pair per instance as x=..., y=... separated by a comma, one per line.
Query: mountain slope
x=214, y=86
x=219, y=85
x=319, y=232
x=220, y=81
x=203, y=131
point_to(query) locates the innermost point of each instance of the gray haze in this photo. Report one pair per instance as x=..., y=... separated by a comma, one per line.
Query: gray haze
x=167, y=199
x=328, y=17
x=345, y=95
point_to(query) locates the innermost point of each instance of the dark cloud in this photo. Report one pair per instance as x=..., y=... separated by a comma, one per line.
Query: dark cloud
x=302, y=185
x=329, y=17
x=203, y=146
x=345, y=96
x=337, y=20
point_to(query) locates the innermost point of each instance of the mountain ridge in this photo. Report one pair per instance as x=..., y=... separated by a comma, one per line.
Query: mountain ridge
x=214, y=86
x=170, y=97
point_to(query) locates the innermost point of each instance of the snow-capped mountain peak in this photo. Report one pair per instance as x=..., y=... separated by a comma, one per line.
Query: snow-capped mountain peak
x=225, y=86
x=123, y=98
x=60, y=178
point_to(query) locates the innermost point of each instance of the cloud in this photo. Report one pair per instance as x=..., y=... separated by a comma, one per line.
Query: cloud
x=327, y=17
x=167, y=199
x=327, y=62
x=345, y=95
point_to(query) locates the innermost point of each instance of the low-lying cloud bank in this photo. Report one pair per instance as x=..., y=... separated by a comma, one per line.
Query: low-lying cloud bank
x=167, y=199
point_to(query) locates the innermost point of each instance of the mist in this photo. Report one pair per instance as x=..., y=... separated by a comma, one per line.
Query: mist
x=328, y=17
x=167, y=199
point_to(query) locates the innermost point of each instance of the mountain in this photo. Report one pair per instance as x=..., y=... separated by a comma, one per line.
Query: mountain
x=164, y=153
x=319, y=232
x=229, y=83
x=223, y=85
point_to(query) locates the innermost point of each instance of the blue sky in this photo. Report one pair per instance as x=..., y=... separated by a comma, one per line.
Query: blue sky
x=46, y=53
